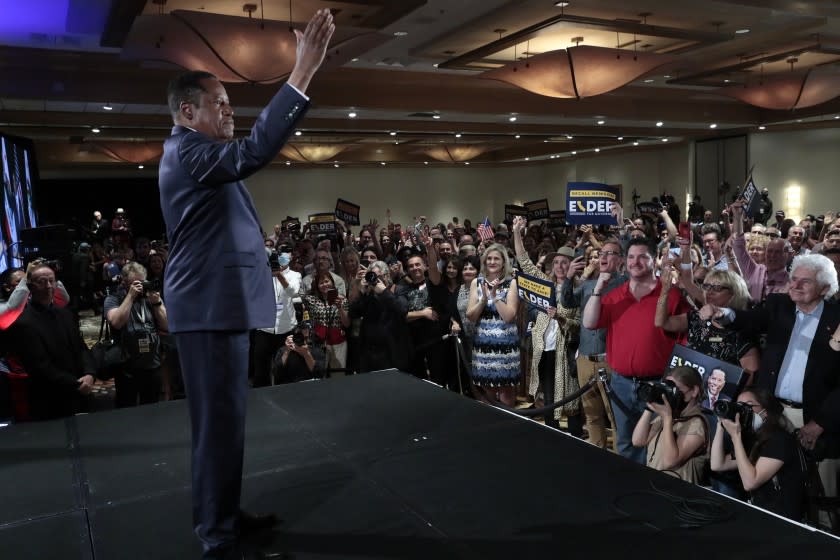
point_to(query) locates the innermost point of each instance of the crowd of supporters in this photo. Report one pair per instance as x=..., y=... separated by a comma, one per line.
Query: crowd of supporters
x=440, y=300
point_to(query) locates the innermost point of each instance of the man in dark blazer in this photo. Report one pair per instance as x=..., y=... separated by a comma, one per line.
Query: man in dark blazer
x=218, y=281
x=798, y=364
x=47, y=341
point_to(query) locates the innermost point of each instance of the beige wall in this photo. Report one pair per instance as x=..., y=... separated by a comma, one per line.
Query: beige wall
x=809, y=160
x=459, y=190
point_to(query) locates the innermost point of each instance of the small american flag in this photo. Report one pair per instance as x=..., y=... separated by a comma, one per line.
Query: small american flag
x=485, y=230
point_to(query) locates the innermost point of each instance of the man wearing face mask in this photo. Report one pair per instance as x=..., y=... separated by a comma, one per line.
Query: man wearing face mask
x=267, y=341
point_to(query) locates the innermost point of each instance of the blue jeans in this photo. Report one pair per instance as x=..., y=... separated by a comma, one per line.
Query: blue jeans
x=625, y=389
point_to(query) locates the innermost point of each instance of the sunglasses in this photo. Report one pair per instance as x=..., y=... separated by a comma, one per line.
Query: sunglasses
x=715, y=287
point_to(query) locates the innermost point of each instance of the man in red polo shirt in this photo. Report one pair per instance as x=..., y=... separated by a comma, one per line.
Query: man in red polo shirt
x=636, y=349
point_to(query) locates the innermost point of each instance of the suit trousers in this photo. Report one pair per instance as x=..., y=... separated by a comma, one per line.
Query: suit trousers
x=215, y=369
x=828, y=468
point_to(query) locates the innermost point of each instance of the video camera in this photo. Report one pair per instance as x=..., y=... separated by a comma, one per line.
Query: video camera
x=274, y=260
x=728, y=410
x=659, y=391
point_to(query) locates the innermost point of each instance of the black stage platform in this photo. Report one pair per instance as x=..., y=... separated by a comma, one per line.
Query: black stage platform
x=372, y=466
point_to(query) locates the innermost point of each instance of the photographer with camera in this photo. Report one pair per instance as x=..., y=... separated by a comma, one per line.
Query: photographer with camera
x=328, y=309
x=383, y=336
x=300, y=358
x=677, y=438
x=268, y=341
x=765, y=453
x=135, y=314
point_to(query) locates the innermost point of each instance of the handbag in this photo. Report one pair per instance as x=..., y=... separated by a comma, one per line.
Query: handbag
x=108, y=354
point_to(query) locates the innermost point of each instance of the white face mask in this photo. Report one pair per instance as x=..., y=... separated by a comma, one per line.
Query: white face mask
x=757, y=422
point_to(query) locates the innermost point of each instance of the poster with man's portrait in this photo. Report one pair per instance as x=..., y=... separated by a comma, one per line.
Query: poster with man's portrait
x=721, y=381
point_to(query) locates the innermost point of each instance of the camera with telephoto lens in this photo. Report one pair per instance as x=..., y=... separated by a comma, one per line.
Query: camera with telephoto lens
x=299, y=336
x=151, y=286
x=371, y=278
x=658, y=391
x=728, y=410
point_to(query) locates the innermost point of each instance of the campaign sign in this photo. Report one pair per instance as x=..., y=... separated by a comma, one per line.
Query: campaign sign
x=591, y=203
x=722, y=381
x=537, y=291
x=347, y=212
x=322, y=223
x=557, y=218
x=290, y=224
x=513, y=210
x=537, y=209
x=752, y=198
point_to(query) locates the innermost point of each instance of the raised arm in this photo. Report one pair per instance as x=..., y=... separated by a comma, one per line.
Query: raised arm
x=311, y=48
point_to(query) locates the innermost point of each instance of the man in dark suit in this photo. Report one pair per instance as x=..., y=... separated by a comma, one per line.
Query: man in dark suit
x=46, y=338
x=798, y=364
x=218, y=280
x=714, y=389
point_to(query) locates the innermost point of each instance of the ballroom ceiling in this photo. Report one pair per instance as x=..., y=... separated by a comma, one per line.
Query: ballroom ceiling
x=417, y=75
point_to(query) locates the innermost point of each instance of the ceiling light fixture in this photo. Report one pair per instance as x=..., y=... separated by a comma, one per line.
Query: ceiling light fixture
x=235, y=49
x=635, y=143
x=139, y=167
x=741, y=31
x=95, y=130
x=574, y=153
x=579, y=71
x=512, y=119
x=393, y=133
x=795, y=89
x=713, y=125
x=620, y=138
x=400, y=33
x=435, y=116
x=660, y=123
x=517, y=136
x=597, y=150
x=298, y=133
x=107, y=107
x=561, y=4
x=458, y=135
x=601, y=122
x=352, y=115
x=664, y=139
x=649, y=81
x=762, y=127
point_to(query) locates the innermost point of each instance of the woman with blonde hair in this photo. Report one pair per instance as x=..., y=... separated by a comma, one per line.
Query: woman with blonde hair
x=492, y=307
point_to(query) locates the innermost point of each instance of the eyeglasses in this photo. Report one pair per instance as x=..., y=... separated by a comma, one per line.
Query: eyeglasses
x=715, y=287
x=610, y=253
x=773, y=235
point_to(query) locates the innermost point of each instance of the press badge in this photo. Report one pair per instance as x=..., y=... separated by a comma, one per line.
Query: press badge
x=279, y=306
x=144, y=345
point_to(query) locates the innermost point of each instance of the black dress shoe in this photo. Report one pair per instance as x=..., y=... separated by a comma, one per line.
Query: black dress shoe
x=250, y=523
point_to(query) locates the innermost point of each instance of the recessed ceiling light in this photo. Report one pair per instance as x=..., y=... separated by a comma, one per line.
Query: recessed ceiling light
x=837, y=116
x=569, y=136
x=597, y=150
x=649, y=81
x=425, y=163
x=664, y=139
x=545, y=141
x=458, y=135
x=635, y=143
x=561, y=4
x=713, y=125
x=139, y=167
x=660, y=123
x=466, y=163
x=352, y=115
x=288, y=163
x=298, y=133
x=354, y=60
x=435, y=116
x=518, y=136
x=667, y=76
x=107, y=107
x=798, y=120
x=762, y=127
x=726, y=81
x=741, y=31
x=620, y=138
x=400, y=33
x=512, y=119
x=574, y=153
x=336, y=165
x=381, y=163
x=393, y=133
x=95, y=130
x=601, y=122
x=397, y=143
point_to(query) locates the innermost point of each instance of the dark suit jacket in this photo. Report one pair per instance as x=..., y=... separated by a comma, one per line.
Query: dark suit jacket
x=48, y=343
x=217, y=276
x=821, y=388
